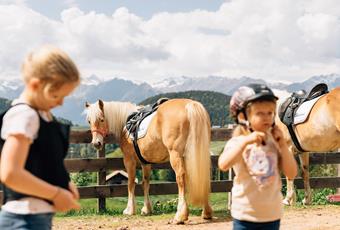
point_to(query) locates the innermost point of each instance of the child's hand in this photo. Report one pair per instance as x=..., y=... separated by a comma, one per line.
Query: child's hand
x=74, y=190
x=65, y=201
x=278, y=136
x=256, y=137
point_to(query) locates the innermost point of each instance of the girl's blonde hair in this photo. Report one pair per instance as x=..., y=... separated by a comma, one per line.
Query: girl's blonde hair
x=50, y=65
x=240, y=130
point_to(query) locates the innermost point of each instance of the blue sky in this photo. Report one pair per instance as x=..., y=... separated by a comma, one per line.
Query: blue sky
x=144, y=40
x=142, y=8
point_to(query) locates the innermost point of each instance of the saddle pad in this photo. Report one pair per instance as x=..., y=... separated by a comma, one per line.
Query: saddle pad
x=304, y=109
x=143, y=127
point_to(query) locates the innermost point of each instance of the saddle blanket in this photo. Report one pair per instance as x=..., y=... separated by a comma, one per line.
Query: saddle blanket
x=304, y=109
x=143, y=127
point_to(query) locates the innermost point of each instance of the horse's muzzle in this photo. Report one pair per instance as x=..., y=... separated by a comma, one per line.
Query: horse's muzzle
x=98, y=145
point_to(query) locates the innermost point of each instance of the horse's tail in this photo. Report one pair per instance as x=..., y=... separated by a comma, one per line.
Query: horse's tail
x=197, y=154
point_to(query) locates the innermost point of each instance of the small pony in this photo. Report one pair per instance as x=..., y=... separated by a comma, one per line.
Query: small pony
x=319, y=133
x=179, y=131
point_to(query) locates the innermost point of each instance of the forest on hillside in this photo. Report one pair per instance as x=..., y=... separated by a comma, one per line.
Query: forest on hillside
x=217, y=104
x=4, y=104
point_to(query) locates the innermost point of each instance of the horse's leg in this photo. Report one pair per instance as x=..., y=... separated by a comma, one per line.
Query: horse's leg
x=304, y=159
x=207, y=211
x=177, y=163
x=147, y=208
x=290, y=198
x=130, y=166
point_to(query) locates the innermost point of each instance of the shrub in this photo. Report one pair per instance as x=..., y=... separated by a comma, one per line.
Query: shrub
x=165, y=206
x=82, y=179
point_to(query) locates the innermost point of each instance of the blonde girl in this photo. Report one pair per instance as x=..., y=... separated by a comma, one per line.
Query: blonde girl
x=256, y=152
x=34, y=145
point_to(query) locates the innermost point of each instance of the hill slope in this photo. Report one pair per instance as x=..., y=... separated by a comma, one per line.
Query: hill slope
x=4, y=104
x=217, y=104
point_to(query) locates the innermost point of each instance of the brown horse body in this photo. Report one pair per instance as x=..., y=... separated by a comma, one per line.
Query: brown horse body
x=319, y=133
x=179, y=133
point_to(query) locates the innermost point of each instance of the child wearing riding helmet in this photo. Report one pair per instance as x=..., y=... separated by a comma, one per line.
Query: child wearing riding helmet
x=34, y=144
x=256, y=152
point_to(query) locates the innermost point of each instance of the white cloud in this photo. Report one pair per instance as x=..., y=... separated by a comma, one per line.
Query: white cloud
x=16, y=2
x=271, y=39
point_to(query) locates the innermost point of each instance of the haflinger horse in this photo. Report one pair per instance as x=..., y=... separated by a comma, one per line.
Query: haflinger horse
x=319, y=133
x=179, y=133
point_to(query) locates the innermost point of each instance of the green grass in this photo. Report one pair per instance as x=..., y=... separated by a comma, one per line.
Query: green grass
x=115, y=154
x=216, y=147
x=80, y=128
x=115, y=206
x=167, y=205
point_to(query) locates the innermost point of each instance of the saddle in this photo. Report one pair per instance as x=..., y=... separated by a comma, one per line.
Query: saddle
x=288, y=108
x=134, y=120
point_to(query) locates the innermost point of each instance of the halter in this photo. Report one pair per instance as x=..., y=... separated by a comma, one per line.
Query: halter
x=102, y=132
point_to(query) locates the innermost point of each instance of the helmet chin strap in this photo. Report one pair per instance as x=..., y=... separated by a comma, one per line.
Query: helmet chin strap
x=246, y=124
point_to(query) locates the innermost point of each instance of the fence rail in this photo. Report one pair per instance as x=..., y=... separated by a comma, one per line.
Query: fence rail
x=102, y=165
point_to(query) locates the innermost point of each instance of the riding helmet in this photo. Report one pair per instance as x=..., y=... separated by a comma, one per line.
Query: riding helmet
x=246, y=94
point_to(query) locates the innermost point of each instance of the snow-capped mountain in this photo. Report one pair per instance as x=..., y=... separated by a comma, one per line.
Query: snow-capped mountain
x=92, y=80
x=94, y=88
x=332, y=80
x=10, y=89
x=229, y=85
x=212, y=83
x=111, y=90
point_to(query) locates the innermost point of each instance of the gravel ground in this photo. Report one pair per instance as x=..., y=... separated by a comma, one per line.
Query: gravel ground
x=309, y=218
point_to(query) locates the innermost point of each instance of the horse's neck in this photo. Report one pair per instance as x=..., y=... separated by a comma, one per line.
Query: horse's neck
x=116, y=114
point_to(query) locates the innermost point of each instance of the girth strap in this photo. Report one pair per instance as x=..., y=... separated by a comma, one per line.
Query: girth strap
x=133, y=122
x=139, y=155
x=294, y=138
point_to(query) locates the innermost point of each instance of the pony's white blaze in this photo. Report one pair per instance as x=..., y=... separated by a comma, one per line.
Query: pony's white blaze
x=179, y=132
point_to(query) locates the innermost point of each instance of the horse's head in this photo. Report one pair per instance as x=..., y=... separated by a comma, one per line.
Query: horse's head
x=98, y=123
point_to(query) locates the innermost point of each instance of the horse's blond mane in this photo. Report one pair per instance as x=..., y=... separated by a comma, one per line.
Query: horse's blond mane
x=115, y=113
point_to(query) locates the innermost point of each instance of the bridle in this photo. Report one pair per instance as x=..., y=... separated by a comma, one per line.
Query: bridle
x=103, y=131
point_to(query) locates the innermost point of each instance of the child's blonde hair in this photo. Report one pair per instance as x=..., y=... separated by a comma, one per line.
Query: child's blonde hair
x=50, y=65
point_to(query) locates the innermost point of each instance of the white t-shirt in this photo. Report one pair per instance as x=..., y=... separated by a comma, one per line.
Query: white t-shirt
x=256, y=192
x=22, y=119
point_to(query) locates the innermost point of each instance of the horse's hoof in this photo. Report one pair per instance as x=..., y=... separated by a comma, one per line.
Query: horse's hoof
x=207, y=214
x=286, y=202
x=145, y=211
x=175, y=222
x=129, y=212
x=306, y=201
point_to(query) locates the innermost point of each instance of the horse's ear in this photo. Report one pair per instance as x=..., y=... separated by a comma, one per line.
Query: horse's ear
x=101, y=105
x=87, y=105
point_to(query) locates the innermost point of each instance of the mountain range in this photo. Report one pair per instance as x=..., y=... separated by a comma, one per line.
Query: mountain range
x=118, y=89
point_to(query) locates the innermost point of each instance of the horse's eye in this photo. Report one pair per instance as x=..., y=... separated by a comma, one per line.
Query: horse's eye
x=89, y=122
x=102, y=120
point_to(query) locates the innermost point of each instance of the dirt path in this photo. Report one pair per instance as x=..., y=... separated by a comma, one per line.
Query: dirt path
x=310, y=218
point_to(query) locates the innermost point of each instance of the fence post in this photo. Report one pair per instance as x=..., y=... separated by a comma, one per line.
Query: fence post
x=101, y=180
x=230, y=177
x=338, y=189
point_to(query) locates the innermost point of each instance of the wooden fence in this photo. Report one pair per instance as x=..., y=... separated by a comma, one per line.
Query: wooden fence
x=102, y=165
